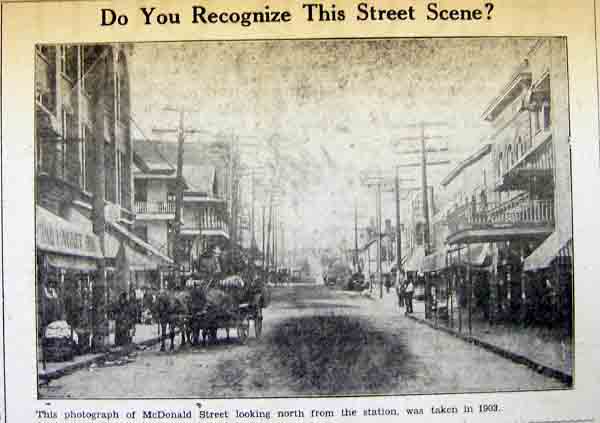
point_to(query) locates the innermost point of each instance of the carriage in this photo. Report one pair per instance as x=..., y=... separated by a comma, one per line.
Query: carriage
x=205, y=306
x=230, y=304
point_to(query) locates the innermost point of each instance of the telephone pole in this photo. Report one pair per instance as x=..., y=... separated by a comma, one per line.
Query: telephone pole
x=424, y=163
x=377, y=182
x=181, y=132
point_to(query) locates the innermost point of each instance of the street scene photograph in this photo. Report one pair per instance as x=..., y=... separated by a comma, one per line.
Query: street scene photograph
x=300, y=218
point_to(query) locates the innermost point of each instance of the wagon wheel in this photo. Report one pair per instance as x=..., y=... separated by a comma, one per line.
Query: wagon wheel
x=258, y=323
x=243, y=330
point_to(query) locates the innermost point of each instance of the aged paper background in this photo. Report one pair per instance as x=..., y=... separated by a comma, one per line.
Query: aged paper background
x=24, y=24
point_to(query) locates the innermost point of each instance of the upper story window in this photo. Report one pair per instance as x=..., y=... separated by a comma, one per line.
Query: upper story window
x=141, y=189
x=118, y=91
x=68, y=61
x=45, y=78
x=520, y=148
x=546, y=116
x=500, y=164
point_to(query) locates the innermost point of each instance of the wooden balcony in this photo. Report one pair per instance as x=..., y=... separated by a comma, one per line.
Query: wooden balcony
x=157, y=209
x=518, y=218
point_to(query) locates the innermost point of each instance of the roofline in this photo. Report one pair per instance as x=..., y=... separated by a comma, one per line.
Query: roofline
x=516, y=79
x=471, y=159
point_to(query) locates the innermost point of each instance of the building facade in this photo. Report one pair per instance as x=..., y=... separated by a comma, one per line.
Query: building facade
x=526, y=214
x=85, y=249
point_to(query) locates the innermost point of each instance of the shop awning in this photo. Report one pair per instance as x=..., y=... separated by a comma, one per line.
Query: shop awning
x=434, y=262
x=547, y=252
x=478, y=255
x=82, y=264
x=415, y=261
x=57, y=235
x=142, y=257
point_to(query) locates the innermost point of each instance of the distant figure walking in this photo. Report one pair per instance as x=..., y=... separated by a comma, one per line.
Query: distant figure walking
x=400, y=290
x=410, y=289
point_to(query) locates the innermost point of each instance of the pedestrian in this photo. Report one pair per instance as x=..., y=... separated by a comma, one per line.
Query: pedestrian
x=410, y=289
x=121, y=316
x=400, y=290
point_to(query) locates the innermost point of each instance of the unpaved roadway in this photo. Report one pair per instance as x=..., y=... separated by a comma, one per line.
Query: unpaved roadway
x=315, y=342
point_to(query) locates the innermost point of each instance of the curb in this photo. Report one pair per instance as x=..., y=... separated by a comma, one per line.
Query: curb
x=46, y=377
x=517, y=358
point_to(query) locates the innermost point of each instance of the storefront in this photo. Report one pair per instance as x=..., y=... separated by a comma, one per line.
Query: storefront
x=133, y=265
x=66, y=259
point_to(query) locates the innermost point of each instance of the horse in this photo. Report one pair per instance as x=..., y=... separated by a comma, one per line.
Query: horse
x=172, y=309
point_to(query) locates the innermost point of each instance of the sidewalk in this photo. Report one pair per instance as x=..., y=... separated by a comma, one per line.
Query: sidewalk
x=144, y=335
x=542, y=349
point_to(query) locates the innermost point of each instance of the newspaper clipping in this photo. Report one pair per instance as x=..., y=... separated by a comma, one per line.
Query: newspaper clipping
x=289, y=211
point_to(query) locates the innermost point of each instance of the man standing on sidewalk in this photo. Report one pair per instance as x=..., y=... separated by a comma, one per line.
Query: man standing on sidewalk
x=400, y=289
x=410, y=288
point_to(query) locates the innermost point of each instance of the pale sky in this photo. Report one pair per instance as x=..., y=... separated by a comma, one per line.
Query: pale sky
x=333, y=107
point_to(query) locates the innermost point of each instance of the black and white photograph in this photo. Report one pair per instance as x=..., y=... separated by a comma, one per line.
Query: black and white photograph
x=303, y=218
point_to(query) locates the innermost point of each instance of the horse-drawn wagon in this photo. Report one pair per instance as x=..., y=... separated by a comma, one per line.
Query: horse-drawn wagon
x=205, y=306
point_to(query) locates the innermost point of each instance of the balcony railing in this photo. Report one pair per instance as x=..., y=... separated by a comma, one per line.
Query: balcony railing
x=517, y=212
x=155, y=207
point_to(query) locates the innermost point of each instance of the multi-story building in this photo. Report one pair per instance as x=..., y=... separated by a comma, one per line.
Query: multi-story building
x=83, y=152
x=526, y=215
x=414, y=241
x=155, y=185
x=205, y=215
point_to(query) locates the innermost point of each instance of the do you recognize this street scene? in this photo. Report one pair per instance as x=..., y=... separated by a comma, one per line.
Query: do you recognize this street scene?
x=287, y=218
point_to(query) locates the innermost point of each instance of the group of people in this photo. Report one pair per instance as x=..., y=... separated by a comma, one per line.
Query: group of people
x=404, y=290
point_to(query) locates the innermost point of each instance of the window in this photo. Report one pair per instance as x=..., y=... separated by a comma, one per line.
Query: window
x=499, y=164
x=141, y=189
x=45, y=78
x=68, y=61
x=546, y=114
x=124, y=180
x=90, y=56
x=70, y=149
x=89, y=154
x=520, y=148
x=109, y=172
x=118, y=110
x=509, y=157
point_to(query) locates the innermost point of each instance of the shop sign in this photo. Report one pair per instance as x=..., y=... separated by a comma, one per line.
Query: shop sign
x=58, y=235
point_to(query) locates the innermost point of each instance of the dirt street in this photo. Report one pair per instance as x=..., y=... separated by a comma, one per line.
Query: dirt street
x=315, y=342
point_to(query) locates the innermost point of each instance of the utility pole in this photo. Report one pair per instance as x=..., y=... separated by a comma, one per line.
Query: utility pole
x=264, y=255
x=378, y=223
x=423, y=150
x=181, y=132
x=268, y=260
x=377, y=182
x=99, y=288
x=356, y=265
